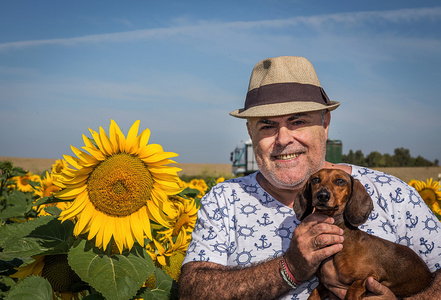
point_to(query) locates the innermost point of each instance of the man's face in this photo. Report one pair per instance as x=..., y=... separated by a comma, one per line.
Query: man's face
x=289, y=148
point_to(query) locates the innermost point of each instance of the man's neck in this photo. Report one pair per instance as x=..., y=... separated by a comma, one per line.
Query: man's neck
x=284, y=196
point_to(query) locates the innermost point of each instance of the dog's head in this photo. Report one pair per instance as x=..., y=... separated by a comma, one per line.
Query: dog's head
x=335, y=193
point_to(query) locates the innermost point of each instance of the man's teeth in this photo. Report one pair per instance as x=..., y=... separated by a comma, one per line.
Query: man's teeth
x=287, y=156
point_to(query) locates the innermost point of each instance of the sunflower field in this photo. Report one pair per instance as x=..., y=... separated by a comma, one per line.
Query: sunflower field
x=111, y=222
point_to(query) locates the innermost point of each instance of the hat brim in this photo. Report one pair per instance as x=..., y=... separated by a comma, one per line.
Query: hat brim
x=281, y=109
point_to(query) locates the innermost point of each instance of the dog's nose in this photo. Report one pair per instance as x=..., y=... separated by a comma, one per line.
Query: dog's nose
x=323, y=196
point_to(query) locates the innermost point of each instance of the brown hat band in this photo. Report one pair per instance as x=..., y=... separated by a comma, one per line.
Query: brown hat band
x=286, y=92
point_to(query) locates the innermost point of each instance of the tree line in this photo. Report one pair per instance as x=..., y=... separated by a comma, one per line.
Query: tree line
x=400, y=158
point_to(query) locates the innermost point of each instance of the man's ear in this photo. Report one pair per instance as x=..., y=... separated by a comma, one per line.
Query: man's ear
x=326, y=122
x=249, y=128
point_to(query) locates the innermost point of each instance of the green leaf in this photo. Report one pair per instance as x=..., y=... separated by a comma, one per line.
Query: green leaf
x=36, y=237
x=6, y=283
x=189, y=192
x=162, y=288
x=8, y=267
x=9, y=170
x=49, y=200
x=16, y=205
x=94, y=297
x=116, y=276
x=32, y=288
x=18, y=230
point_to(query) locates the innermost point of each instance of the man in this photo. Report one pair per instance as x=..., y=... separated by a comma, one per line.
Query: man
x=248, y=244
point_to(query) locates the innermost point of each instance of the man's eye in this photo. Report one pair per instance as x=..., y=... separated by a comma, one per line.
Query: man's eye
x=266, y=127
x=298, y=122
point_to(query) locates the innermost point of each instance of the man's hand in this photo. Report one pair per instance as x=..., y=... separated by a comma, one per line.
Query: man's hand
x=377, y=290
x=374, y=291
x=314, y=240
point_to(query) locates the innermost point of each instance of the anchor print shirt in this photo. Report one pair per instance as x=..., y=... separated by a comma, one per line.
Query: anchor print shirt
x=239, y=223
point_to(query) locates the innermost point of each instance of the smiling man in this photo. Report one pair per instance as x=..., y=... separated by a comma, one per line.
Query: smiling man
x=248, y=244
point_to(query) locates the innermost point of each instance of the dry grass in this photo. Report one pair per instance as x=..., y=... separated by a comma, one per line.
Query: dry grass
x=39, y=165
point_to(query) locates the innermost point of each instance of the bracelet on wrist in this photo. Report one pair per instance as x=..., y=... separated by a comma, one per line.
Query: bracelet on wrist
x=287, y=275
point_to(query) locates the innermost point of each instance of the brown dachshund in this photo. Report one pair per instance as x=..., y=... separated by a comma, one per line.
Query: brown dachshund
x=335, y=193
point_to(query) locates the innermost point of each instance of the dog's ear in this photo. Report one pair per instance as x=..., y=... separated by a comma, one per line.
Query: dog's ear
x=359, y=205
x=303, y=202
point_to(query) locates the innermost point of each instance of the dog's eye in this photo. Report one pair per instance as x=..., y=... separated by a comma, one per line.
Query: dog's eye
x=340, y=181
x=315, y=180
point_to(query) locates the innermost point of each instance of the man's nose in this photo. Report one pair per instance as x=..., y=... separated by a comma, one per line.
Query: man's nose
x=284, y=136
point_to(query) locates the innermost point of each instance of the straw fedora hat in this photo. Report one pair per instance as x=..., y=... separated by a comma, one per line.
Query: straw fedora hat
x=281, y=86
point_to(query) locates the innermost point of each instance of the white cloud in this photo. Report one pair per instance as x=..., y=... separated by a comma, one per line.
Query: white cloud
x=206, y=29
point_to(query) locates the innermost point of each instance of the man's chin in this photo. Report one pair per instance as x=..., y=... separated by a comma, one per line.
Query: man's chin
x=286, y=182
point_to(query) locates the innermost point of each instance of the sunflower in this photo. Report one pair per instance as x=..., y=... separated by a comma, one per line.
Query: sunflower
x=59, y=166
x=64, y=281
x=22, y=182
x=169, y=243
x=430, y=192
x=46, y=189
x=200, y=185
x=119, y=187
x=184, y=219
x=168, y=257
x=33, y=268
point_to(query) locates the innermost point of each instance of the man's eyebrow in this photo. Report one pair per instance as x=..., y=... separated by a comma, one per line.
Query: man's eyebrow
x=266, y=122
x=290, y=118
x=297, y=116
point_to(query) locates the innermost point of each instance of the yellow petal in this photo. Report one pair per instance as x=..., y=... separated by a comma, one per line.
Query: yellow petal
x=159, y=156
x=131, y=137
x=88, y=142
x=76, y=207
x=143, y=138
x=99, y=235
x=108, y=231
x=169, y=188
x=68, y=194
x=117, y=137
x=128, y=231
x=86, y=159
x=95, y=153
x=106, y=142
x=136, y=225
x=145, y=222
x=73, y=161
x=164, y=170
x=159, y=247
x=96, y=138
x=149, y=150
x=95, y=221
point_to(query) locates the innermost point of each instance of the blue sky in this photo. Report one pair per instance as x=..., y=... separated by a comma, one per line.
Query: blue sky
x=181, y=66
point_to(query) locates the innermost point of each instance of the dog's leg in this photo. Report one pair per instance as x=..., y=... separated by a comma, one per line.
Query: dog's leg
x=319, y=293
x=357, y=290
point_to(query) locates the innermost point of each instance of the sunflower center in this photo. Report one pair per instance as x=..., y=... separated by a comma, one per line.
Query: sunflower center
x=24, y=180
x=47, y=192
x=184, y=219
x=120, y=185
x=60, y=275
x=428, y=195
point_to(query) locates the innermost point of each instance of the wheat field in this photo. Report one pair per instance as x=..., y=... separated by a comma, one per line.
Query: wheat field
x=39, y=165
